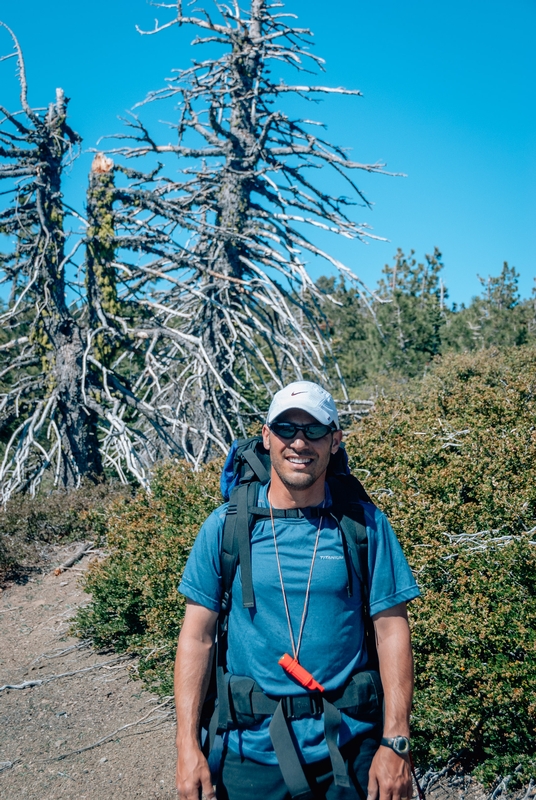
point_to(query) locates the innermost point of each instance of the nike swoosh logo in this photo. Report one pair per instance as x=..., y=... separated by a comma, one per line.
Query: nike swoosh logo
x=293, y=394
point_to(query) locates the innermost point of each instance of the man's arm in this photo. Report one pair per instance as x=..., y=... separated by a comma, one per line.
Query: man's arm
x=192, y=674
x=390, y=774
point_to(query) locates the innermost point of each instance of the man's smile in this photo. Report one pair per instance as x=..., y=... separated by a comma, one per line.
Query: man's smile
x=300, y=460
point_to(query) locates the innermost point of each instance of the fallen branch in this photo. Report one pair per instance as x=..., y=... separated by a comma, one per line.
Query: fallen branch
x=25, y=685
x=109, y=736
x=77, y=556
x=40, y=682
x=432, y=776
x=529, y=792
x=501, y=788
x=79, y=646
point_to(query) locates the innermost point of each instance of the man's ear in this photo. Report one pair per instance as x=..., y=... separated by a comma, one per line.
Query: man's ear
x=266, y=437
x=336, y=441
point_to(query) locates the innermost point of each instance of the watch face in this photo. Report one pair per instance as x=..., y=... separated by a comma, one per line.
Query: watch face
x=401, y=745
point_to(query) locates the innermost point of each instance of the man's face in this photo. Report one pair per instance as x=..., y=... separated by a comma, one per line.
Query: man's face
x=300, y=462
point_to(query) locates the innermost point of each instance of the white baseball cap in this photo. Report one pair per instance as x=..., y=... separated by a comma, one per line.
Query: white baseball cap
x=308, y=397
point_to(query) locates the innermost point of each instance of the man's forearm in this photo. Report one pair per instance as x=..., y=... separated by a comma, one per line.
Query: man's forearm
x=396, y=669
x=192, y=674
x=192, y=670
x=389, y=775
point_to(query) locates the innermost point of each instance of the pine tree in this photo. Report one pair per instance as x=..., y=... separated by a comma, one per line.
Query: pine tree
x=496, y=317
x=404, y=333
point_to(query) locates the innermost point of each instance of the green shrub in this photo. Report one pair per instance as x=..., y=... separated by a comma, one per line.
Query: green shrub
x=29, y=524
x=452, y=465
x=453, y=468
x=135, y=604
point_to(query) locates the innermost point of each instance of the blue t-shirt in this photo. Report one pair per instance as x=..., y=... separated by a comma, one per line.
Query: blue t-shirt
x=333, y=643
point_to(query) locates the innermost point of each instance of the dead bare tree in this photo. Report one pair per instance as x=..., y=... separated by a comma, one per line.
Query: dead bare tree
x=234, y=312
x=119, y=378
x=64, y=401
x=41, y=360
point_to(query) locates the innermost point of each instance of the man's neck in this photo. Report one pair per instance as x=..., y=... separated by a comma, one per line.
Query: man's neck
x=281, y=496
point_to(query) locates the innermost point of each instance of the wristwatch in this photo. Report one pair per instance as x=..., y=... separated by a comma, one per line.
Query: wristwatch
x=400, y=744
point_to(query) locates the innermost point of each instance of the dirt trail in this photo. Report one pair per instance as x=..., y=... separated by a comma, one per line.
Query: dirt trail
x=43, y=725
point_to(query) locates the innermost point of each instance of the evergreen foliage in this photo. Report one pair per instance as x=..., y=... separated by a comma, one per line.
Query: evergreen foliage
x=412, y=322
x=452, y=466
x=453, y=469
x=135, y=605
x=497, y=317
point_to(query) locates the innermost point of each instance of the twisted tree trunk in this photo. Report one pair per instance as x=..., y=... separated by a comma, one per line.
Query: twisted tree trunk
x=63, y=340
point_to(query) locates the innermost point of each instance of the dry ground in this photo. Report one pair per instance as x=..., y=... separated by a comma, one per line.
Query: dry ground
x=44, y=729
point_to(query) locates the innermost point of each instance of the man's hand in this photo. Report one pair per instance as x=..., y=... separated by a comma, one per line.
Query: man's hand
x=193, y=775
x=389, y=776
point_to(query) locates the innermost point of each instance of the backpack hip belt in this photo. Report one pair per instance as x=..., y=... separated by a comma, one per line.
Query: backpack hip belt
x=246, y=705
x=360, y=698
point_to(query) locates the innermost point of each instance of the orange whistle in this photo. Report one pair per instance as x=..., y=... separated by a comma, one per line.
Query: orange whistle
x=294, y=668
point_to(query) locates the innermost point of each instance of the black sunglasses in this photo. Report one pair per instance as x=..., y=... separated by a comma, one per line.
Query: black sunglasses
x=312, y=431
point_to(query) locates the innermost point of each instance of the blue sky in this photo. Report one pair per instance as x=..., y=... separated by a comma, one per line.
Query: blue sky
x=449, y=100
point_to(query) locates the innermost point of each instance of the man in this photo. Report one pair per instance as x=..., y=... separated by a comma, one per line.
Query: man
x=304, y=608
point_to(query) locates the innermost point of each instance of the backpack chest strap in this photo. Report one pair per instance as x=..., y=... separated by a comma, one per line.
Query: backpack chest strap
x=290, y=513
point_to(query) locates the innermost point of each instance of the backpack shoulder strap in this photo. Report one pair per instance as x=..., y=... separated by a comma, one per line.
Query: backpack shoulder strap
x=256, y=465
x=352, y=522
x=348, y=496
x=236, y=544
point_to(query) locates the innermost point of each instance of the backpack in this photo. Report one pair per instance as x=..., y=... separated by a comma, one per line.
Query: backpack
x=235, y=701
x=246, y=468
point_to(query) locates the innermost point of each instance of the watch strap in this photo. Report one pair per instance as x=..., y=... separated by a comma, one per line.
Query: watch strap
x=400, y=744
